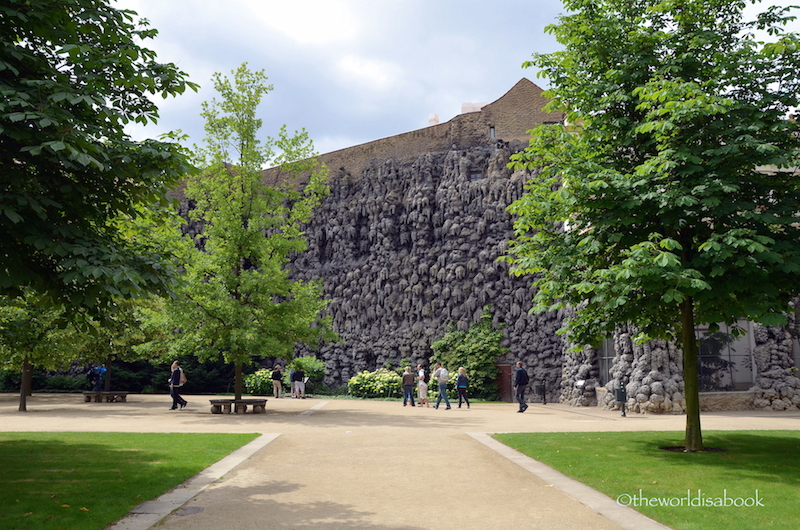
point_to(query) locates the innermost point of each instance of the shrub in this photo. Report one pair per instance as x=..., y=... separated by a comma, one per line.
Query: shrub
x=9, y=381
x=259, y=382
x=380, y=383
x=313, y=368
x=477, y=350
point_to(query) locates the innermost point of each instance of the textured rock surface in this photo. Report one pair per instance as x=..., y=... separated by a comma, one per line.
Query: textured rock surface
x=404, y=249
x=776, y=386
x=652, y=374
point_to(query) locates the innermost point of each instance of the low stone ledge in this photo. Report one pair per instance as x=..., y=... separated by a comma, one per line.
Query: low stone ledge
x=721, y=401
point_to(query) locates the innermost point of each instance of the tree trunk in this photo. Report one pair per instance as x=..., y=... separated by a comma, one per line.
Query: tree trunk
x=107, y=382
x=237, y=385
x=694, y=437
x=27, y=373
x=25, y=385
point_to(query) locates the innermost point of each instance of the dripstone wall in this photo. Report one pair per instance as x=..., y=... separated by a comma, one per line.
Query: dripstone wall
x=406, y=248
x=652, y=374
x=408, y=240
x=776, y=386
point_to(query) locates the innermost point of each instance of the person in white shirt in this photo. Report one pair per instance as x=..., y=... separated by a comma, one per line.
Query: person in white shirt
x=422, y=387
x=442, y=376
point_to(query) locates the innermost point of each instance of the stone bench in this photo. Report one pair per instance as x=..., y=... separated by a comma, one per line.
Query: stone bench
x=239, y=406
x=110, y=397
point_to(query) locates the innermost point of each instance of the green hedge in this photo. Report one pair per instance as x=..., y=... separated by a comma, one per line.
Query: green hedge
x=380, y=383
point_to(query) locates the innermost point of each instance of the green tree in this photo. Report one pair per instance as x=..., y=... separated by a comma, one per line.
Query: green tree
x=116, y=336
x=72, y=75
x=34, y=334
x=654, y=208
x=237, y=299
x=477, y=350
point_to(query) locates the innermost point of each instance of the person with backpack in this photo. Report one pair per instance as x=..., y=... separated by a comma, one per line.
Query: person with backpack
x=176, y=380
x=422, y=386
x=520, y=383
x=442, y=377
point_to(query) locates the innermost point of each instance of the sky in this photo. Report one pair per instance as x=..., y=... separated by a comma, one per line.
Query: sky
x=348, y=71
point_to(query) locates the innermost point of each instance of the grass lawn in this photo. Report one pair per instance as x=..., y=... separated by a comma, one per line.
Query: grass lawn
x=86, y=481
x=758, y=468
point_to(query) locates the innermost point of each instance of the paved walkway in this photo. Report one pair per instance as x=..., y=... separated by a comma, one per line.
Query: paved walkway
x=333, y=464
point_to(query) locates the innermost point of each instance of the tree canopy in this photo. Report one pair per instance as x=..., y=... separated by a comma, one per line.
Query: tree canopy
x=672, y=197
x=237, y=299
x=35, y=334
x=72, y=75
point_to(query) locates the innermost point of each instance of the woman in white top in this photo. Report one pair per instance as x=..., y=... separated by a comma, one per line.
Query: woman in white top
x=422, y=387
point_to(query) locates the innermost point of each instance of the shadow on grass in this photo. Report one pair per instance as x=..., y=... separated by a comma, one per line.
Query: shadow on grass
x=757, y=465
x=67, y=480
x=768, y=456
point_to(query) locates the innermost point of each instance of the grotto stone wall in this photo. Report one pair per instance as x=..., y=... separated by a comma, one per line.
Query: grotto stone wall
x=776, y=386
x=653, y=375
x=579, y=379
x=407, y=247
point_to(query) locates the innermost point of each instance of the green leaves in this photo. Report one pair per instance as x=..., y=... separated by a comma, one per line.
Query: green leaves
x=73, y=73
x=236, y=297
x=655, y=196
x=477, y=350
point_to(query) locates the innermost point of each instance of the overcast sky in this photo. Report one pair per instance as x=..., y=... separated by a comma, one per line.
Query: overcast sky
x=349, y=71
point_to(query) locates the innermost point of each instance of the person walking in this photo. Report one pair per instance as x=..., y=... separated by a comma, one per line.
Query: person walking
x=177, y=380
x=422, y=386
x=408, y=387
x=442, y=377
x=277, y=384
x=461, y=386
x=520, y=383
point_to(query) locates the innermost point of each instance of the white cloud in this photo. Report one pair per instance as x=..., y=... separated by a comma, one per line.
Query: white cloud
x=369, y=74
x=313, y=22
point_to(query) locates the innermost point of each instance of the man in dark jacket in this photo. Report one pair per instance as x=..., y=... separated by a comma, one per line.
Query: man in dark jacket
x=299, y=384
x=520, y=383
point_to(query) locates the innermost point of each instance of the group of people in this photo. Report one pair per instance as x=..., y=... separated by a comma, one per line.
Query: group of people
x=442, y=376
x=297, y=381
